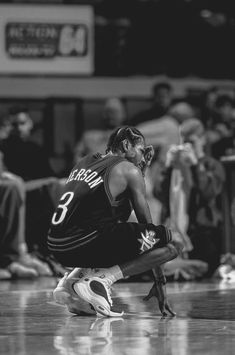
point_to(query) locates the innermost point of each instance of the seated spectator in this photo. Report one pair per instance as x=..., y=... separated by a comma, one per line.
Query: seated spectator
x=226, y=271
x=221, y=135
x=26, y=161
x=198, y=213
x=23, y=156
x=164, y=131
x=114, y=115
x=161, y=101
x=5, y=127
x=208, y=109
x=15, y=261
x=161, y=134
x=9, y=241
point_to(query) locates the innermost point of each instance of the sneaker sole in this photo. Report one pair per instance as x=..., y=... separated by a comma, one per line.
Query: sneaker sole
x=61, y=296
x=102, y=308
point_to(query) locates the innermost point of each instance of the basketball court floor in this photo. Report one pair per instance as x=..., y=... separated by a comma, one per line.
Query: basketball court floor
x=31, y=323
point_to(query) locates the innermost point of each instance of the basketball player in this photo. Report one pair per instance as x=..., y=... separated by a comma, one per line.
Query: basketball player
x=89, y=228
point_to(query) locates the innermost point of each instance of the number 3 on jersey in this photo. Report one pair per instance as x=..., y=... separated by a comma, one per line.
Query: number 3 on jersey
x=62, y=208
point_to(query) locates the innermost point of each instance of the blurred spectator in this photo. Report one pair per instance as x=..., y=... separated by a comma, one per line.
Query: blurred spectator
x=198, y=212
x=226, y=270
x=5, y=126
x=15, y=261
x=208, y=110
x=95, y=140
x=26, y=161
x=181, y=111
x=222, y=134
x=22, y=156
x=10, y=203
x=161, y=101
x=164, y=131
x=161, y=134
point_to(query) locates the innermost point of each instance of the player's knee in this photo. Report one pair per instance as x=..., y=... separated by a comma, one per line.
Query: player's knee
x=163, y=235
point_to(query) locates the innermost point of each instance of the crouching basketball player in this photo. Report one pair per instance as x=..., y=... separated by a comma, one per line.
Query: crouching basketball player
x=90, y=233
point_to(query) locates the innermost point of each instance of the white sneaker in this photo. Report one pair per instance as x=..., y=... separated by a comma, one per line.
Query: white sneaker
x=96, y=290
x=64, y=294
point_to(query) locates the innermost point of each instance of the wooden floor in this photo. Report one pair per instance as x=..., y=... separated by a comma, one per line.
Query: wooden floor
x=30, y=322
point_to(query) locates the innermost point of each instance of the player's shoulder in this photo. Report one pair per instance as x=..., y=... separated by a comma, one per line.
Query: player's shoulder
x=127, y=168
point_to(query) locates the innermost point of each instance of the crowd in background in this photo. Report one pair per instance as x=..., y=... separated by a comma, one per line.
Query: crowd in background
x=184, y=183
x=28, y=192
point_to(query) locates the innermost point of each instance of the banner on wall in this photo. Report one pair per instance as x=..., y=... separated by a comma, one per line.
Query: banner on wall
x=46, y=39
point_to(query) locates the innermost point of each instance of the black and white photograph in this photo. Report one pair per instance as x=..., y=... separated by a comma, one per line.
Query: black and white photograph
x=117, y=177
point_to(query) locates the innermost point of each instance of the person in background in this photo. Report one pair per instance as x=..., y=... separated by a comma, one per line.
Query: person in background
x=26, y=164
x=15, y=261
x=10, y=204
x=161, y=133
x=89, y=228
x=114, y=115
x=161, y=102
x=23, y=156
x=198, y=212
x=164, y=131
x=208, y=108
x=221, y=135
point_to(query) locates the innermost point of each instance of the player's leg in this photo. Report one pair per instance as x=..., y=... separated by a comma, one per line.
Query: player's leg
x=151, y=259
x=95, y=288
x=146, y=247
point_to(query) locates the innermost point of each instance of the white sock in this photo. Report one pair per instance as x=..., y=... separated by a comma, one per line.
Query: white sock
x=78, y=272
x=114, y=273
x=74, y=273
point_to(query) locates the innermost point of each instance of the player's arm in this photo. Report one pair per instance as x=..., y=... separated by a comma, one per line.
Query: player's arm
x=136, y=187
x=158, y=290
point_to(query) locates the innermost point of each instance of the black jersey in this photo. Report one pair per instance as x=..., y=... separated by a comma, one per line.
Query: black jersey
x=86, y=205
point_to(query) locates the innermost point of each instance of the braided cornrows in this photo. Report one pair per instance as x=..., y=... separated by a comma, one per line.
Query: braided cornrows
x=121, y=133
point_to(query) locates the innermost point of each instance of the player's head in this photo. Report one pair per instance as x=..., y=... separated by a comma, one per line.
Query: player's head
x=129, y=142
x=120, y=134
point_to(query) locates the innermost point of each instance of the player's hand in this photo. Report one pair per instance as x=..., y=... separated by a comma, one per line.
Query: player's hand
x=148, y=157
x=149, y=154
x=158, y=290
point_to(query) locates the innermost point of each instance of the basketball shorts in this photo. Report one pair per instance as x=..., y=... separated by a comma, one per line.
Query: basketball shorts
x=116, y=244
